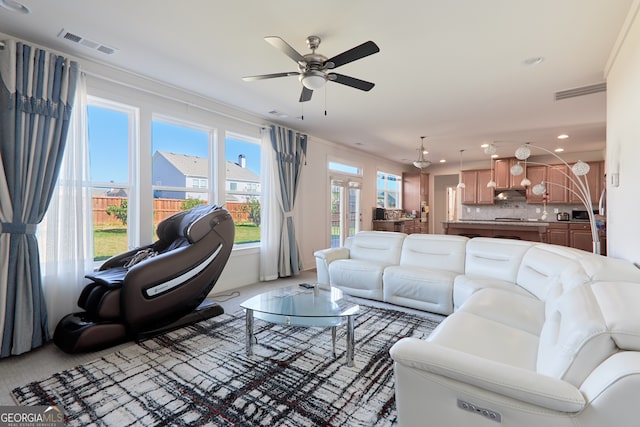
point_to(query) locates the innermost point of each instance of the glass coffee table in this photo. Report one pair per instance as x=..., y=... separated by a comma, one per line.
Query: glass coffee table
x=297, y=306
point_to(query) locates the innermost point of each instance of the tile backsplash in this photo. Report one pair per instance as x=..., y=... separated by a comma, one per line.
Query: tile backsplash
x=513, y=209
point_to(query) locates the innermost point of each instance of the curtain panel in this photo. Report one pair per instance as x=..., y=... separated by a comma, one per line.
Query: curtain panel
x=37, y=92
x=290, y=149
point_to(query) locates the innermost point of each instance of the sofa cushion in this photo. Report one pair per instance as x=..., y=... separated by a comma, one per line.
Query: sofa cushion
x=488, y=339
x=622, y=319
x=575, y=338
x=506, y=307
x=466, y=285
x=358, y=278
x=434, y=251
x=540, y=266
x=421, y=288
x=378, y=246
x=495, y=258
x=604, y=269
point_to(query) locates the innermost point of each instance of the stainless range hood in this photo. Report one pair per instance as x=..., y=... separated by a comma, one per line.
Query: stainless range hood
x=511, y=195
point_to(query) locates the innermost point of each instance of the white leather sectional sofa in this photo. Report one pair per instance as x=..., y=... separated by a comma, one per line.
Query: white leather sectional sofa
x=536, y=334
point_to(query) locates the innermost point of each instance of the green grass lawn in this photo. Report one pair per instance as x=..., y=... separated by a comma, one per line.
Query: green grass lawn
x=111, y=241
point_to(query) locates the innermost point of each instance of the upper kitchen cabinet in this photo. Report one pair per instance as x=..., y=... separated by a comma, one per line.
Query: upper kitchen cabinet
x=595, y=181
x=475, y=190
x=502, y=172
x=415, y=189
x=504, y=179
x=536, y=175
x=557, y=183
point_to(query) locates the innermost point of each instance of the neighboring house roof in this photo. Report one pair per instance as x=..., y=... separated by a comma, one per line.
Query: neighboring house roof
x=237, y=173
x=197, y=166
x=186, y=165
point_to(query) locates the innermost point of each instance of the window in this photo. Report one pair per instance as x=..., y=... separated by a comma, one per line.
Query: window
x=242, y=186
x=111, y=139
x=348, y=169
x=389, y=190
x=180, y=167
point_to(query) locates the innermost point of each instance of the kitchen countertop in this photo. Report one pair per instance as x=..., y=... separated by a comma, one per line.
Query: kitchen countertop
x=493, y=222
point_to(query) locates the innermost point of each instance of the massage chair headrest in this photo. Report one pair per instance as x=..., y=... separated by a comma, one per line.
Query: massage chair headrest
x=191, y=224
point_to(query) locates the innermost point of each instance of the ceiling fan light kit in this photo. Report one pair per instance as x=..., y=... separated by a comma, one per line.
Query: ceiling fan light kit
x=313, y=68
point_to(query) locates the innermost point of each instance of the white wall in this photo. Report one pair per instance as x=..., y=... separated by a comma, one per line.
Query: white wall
x=623, y=142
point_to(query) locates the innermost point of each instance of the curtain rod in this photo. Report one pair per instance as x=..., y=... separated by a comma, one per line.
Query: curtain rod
x=172, y=98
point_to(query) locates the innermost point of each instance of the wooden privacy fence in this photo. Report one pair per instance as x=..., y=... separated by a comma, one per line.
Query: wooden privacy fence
x=162, y=208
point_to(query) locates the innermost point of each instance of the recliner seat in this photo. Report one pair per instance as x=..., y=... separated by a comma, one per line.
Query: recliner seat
x=164, y=290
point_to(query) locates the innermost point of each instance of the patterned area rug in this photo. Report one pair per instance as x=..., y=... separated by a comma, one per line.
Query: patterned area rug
x=200, y=375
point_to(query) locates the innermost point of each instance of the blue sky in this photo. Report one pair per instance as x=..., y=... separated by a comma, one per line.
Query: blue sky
x=108, y=139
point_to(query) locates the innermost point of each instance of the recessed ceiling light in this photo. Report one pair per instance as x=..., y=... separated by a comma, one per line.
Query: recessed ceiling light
x=484, y=145
x=14, y=6
x=563, y=136
x=534, y=60
x=559, y=150
x=494, y=156
x=443, y=161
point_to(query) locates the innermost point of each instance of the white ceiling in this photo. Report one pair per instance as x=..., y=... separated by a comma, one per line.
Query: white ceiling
x=451, y=70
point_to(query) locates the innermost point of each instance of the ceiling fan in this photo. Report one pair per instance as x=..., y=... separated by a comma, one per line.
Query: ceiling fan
x=314, y=68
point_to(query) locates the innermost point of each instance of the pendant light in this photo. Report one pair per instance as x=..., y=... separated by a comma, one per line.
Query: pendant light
x=460, y=183
x=421, y=163
x=522, y=153
x=491, y=150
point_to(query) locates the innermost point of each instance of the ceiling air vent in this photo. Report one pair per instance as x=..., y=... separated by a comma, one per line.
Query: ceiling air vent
x=580, y=91
x=74, y=38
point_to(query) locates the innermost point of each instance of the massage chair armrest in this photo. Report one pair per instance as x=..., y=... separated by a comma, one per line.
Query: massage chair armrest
x=517, y=383
x=121, y=259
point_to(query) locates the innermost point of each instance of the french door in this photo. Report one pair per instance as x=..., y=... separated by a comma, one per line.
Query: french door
x=345, y=214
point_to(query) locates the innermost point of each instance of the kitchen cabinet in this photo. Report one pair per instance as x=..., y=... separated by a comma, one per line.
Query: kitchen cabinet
x=558, y=233
x=557, y=184
x=502, y=173
x=476, y=191
x=536, y=175
x=580, y=236
x=408, y=226
x=415, y=189
x=595, y=181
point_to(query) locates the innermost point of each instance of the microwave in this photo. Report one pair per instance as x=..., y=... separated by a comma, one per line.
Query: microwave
x=581, y=215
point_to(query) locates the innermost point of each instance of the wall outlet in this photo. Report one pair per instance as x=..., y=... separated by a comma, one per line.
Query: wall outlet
x=468, y=210
x=538, y=210
x=556, y=210
x=477, y=209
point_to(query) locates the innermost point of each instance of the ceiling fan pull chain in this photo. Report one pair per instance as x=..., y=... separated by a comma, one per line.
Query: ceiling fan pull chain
x=325, y=101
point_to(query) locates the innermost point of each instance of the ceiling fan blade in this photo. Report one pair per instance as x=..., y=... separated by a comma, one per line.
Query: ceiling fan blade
x=351, y=81
x=306, y=94
x=365, y=49
x=269, y=76
x=278, y=43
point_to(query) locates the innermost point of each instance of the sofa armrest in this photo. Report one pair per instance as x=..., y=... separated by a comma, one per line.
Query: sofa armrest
x=332, y=254
x=325, y=257
x=517, y=383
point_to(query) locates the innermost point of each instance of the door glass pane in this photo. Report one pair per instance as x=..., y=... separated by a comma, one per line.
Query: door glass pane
x=354, y=211
x=337, y=192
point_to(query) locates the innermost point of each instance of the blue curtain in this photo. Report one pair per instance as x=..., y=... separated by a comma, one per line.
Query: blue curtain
x=291, y=149
x=37, y=91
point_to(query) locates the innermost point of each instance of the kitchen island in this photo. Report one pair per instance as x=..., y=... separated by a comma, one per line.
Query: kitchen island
x=535, y=231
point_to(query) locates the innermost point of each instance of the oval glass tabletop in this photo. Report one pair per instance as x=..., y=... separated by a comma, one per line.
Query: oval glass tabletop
x=300, y=302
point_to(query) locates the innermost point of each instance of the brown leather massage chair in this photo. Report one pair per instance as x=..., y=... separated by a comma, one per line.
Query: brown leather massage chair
x=155, y=288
